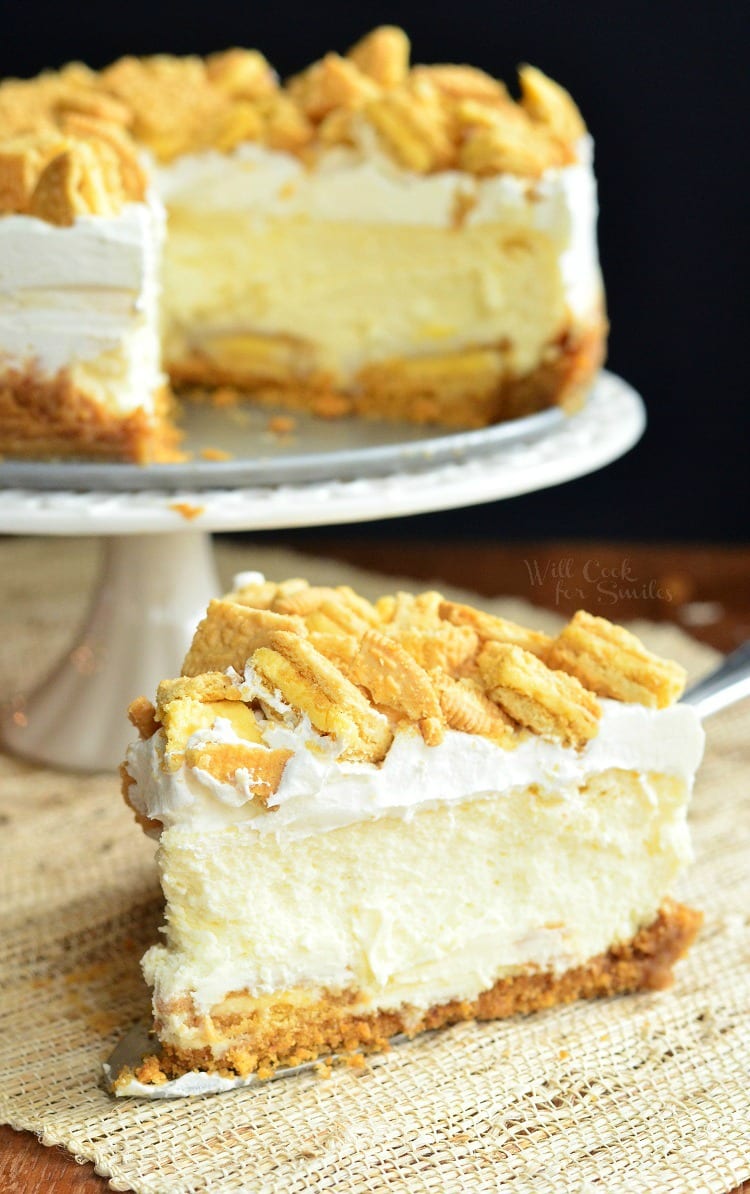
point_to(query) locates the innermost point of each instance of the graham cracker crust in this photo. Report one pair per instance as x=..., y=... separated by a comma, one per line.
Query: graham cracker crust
x=43, y=417
x=46, y=417
x=465, y=389
x=292, y=1029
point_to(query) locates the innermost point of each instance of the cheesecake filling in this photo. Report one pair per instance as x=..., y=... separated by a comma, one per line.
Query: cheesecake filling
x=260, y=250
x=82, y=300
x=255, y=277
x=553, y=854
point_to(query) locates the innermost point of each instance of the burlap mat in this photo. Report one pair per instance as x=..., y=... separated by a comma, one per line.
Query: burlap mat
x=645, y=1093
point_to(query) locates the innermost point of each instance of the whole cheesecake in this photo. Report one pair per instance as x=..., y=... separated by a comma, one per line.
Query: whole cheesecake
x=378, y=819
x=369, y=238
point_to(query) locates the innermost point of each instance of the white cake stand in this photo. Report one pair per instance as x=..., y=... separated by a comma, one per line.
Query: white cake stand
x=158, y=573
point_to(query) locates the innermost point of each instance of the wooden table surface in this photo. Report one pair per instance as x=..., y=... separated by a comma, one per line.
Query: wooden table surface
x=706, y=590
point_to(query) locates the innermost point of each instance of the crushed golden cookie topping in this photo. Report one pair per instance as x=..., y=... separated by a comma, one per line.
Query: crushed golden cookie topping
x=360, y=671
x=549, y=703
x=614, y=663
x=70, y=139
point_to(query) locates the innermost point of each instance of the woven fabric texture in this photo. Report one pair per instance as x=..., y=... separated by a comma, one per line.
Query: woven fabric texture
x=643, y=1093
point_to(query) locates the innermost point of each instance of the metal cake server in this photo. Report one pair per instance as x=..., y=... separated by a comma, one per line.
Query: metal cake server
x=140, y=1042
x=726, y=684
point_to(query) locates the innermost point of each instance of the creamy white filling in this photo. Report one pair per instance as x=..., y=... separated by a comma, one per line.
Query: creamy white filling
x=85, y=297
x=260, y=247
x=417, y=913
x=422, y=879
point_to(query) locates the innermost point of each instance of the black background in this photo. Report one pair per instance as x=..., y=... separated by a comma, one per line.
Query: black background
x=663, y=88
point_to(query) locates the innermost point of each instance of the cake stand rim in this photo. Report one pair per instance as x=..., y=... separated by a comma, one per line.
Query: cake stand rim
x=609, y=425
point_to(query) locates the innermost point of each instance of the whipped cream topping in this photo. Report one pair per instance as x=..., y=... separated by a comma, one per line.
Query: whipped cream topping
x=85, y=294
x=320, y=792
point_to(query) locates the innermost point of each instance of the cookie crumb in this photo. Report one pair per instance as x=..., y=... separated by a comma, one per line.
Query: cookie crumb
x=282, y=425
x=187, y=510
x=225, y=396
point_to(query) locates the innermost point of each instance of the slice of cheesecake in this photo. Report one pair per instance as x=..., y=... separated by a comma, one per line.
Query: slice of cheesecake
x=377, y=819
x=80, y=254
x=370, y=237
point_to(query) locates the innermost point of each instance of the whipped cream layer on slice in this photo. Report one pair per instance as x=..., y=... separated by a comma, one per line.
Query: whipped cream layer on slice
x=555, y=854
x=262, y=246
x=83, y=300
x=319, y=791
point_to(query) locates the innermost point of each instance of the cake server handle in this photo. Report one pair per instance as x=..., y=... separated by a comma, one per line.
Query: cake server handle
x=729, y=682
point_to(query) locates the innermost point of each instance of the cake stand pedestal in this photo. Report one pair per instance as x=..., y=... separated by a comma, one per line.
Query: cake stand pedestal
x=152, y=591
x=158, y=572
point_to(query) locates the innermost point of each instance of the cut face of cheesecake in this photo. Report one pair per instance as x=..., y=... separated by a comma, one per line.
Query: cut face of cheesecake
x=377, y=819
x=370, y=237
x=80, y=370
